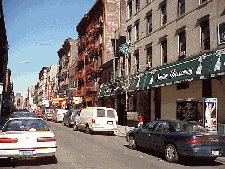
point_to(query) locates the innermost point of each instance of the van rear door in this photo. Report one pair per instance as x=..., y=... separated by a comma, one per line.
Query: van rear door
x=105, y=117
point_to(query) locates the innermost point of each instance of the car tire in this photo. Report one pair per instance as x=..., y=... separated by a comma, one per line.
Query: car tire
x=171, y=153
x=75, y=128
x=88, y=131
x=132, y=143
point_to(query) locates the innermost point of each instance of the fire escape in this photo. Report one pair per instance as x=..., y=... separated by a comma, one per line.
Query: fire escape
x=87, y=64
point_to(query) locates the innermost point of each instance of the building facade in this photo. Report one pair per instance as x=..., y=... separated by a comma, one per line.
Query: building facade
x=176, y=59
x=95, y=64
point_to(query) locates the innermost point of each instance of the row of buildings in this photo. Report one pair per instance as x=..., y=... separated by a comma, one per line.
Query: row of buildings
x=6, y=96
x=157, y=58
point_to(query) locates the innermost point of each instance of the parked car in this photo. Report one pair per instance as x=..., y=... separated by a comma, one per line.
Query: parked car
x=48, y=114
x=69, y=117
x=18, y=114
x=26, y=137
x=58, y=115
x=178, y=138
x=93, y=119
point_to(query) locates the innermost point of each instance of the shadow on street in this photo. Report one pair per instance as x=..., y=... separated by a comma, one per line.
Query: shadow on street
x=28, y=162
x=185, y=161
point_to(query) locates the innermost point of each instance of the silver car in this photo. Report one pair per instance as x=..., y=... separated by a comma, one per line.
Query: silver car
x=69, y=117
x=58, y=115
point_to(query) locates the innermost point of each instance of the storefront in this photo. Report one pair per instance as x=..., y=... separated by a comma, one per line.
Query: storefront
x=161, y=88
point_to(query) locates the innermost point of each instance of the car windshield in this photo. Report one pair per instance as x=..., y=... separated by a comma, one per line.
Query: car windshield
x=23, y=114
x=189, y=127
x=25, y=125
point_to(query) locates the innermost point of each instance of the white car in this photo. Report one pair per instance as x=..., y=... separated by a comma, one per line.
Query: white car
x=58, y=115
x=26, y=138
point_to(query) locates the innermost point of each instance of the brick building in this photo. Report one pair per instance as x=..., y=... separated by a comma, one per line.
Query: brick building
x=97, y=32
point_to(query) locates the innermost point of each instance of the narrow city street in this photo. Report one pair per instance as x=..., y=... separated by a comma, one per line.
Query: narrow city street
x=76, y=149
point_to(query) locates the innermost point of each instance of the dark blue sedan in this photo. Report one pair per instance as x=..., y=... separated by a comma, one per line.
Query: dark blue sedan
x=178, y=138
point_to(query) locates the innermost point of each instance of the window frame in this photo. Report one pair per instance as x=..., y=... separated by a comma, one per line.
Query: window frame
x=137, y=60
x=163, y=14
x=205, y=32
x=181, y=11
x=137, y=31
x=137, y=4
x=182, y=35
x=149, y=55
x=129, y=8
x=149, y=15
x=164, y=53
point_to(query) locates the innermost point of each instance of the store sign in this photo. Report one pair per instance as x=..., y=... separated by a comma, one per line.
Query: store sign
x=49, y=90
x=77, y=100
x=210, y=108
x=210, y=64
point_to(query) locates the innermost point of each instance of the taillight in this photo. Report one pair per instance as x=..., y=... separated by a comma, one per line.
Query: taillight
x=8, y=140
x=45, y=139
x=194, y=140
x=116, y=122
x=93, y=121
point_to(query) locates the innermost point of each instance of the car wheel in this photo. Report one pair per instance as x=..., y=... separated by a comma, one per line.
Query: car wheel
x=75, y=128
x=132, y=143
x=171, y=153
x=88, y=131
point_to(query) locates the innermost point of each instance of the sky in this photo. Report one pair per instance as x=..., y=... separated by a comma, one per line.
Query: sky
x=36, y=30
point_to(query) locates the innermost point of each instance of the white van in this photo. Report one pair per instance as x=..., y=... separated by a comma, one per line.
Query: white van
x=93, y=119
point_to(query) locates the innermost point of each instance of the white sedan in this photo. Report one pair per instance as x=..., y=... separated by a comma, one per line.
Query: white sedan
x=25, y=138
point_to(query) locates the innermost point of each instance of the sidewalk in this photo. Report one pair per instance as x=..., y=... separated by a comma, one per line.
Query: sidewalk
x=122, y=130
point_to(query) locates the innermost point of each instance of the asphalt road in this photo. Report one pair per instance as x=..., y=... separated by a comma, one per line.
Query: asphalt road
x=76, y=149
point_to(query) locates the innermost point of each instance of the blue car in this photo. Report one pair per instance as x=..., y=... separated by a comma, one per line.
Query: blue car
x=178, y=138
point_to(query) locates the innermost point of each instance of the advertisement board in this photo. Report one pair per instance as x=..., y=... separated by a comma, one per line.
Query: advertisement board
x=210, y=113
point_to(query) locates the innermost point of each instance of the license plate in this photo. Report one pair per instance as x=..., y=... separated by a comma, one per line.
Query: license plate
x=110, y=122
x=215, y=153
x=26, y=153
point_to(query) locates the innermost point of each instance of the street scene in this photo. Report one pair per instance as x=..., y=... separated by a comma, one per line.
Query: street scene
x=112, y=84
x=76, y=149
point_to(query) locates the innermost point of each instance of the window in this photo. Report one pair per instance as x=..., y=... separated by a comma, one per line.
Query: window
x=149, y=23
x=136, y=61
x=181, y=7
x=163, y=13
x=161, y=127
x=148, y=1
x=149, y=56
x=202, y=1
x=205, y=35
x=137, y=31
x=129, y=64
x=129, y=9
x=182, y=45
x=164, y=51
x=110, y=114
x=100, y=113
x=137, y=5
x=129, y=34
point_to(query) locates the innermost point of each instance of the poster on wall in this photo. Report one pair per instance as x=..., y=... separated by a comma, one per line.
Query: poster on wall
x=210, y=107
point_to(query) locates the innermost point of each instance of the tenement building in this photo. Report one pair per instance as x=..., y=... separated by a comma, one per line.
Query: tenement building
x=176, y=63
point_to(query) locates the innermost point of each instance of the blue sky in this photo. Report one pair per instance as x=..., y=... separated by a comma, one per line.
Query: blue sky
x=36, y=29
